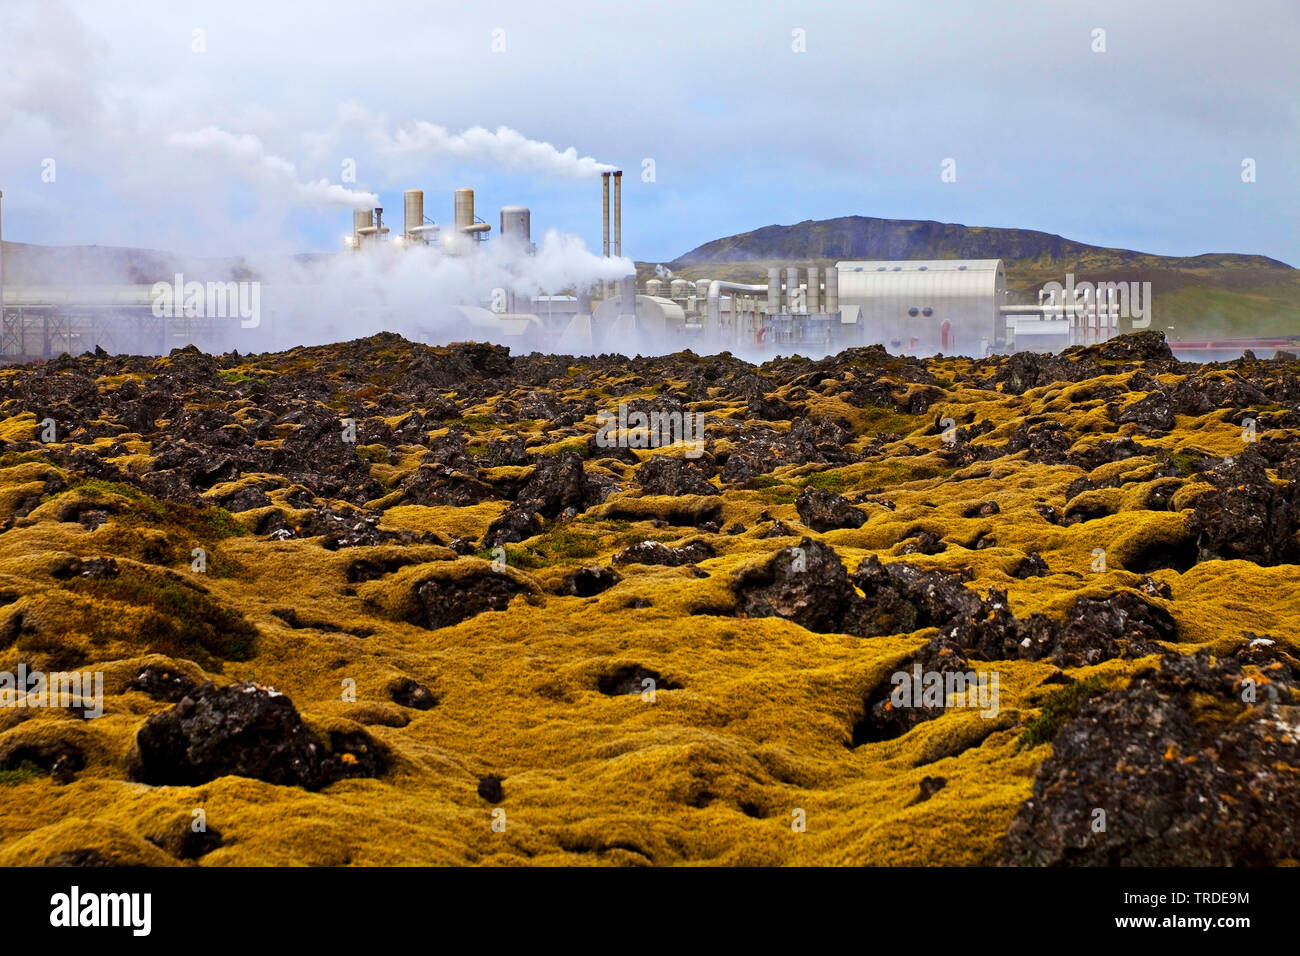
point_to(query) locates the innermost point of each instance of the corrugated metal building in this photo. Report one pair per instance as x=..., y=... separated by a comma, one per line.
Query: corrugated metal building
x=921, y=307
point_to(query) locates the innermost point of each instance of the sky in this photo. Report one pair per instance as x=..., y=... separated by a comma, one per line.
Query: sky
x=233, y=127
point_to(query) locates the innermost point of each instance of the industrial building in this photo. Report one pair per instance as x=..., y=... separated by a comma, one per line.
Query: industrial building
x=910, y=306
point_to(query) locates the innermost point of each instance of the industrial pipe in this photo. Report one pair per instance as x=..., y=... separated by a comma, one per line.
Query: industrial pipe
x=715, y=298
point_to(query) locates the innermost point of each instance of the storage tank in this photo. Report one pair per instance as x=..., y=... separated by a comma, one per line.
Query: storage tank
x=653, y=287
x=464, y=208
x=832, y=289
x=516, y=224
x=702, y=288
x=679, y=287
x=414, y=204
x=363, y=219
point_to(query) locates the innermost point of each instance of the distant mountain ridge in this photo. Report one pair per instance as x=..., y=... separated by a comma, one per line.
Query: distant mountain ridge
x=866, y=237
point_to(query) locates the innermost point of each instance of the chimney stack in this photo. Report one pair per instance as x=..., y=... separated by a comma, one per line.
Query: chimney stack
x=604, y=213
x=618, y=212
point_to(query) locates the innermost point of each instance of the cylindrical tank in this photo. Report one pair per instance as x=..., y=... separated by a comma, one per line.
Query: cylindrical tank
x=832, y=289
x=702, y=288
x=653, y=287
x=362, y=219
x=679, y=289
x=814, y=288
x=464, y=207
x=773, y=290
x=414, y=202
x=792, y=289
x=516, y=224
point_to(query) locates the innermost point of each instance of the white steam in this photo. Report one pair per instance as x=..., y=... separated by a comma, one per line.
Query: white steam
x=414, y=290
x=246, y=155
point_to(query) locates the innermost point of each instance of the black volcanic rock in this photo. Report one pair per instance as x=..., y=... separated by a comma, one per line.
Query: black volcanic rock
x=823, y=510
x=245, y=730
x=1176, y=770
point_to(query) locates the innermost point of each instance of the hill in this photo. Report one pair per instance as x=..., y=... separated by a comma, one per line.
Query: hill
x=1215, y=293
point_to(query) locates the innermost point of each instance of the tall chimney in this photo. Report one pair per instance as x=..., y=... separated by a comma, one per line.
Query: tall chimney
x=604, y=214
x=791, y=288
x=618, y=212
x=773, y=291
x=814, y=288
x=832, y=289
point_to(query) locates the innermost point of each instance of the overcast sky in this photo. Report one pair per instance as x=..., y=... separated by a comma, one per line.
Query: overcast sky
x=236, y=138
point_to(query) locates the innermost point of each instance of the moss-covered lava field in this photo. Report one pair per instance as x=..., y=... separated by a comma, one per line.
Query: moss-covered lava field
x=384, y=603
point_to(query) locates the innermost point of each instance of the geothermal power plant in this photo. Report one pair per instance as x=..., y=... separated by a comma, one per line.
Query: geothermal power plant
x=915, y=307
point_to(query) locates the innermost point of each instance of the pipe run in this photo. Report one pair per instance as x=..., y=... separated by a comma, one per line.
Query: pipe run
x=715, y=299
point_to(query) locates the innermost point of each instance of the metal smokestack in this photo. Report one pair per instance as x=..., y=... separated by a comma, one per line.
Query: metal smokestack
x=791, y=289
x=832, y=289
x=618, y=212
x=604, y=214
x=814, y=288
x=773, y=290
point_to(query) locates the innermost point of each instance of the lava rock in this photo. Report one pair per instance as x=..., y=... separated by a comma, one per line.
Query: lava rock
x=245, y=730
x=656, y=552
x=408, y=693
x=823, y=510
x=590, y=581
x=490, y=789
x=1186, y=772
x=662, y=475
